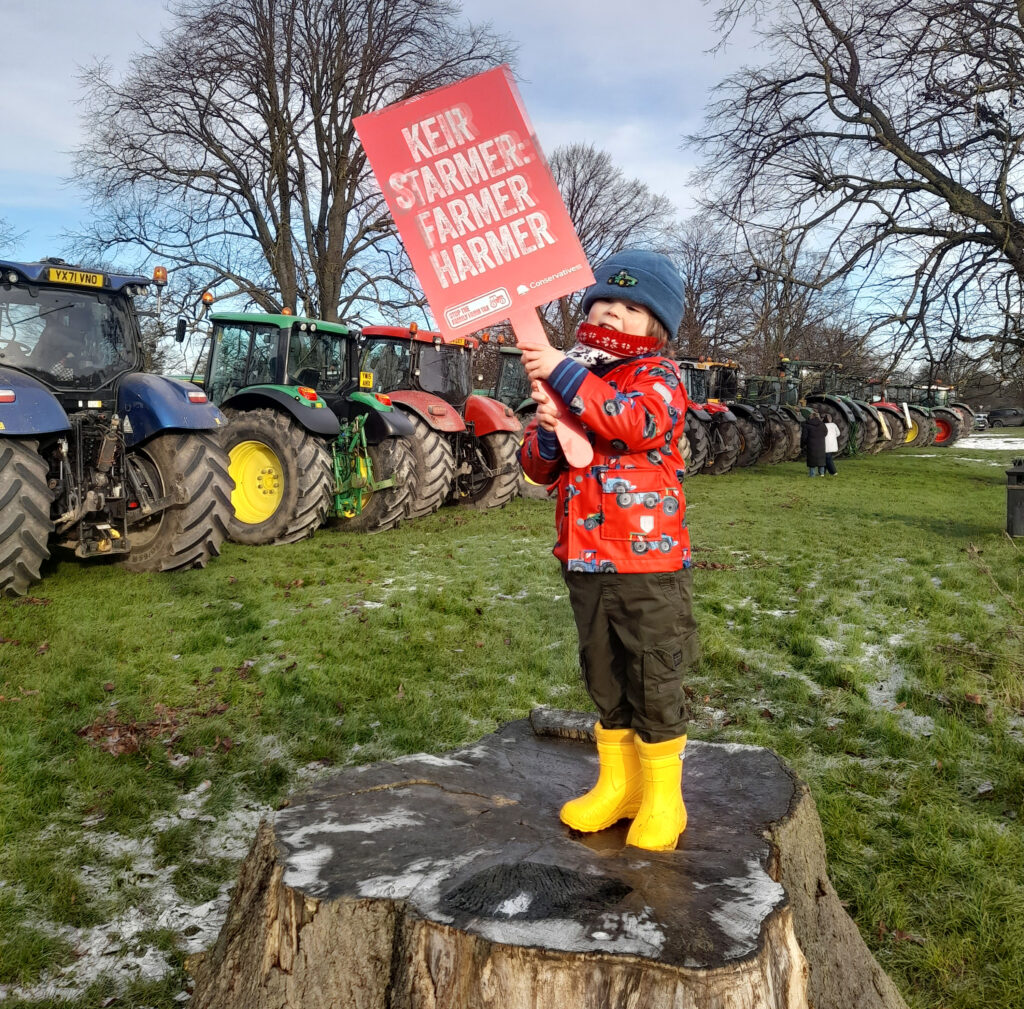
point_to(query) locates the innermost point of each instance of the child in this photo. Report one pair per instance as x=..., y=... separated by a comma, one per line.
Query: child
x=622, y=538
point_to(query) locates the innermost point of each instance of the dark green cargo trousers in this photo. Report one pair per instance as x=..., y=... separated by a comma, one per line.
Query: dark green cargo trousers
x=637, y=638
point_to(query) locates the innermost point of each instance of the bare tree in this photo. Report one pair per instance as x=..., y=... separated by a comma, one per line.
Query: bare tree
x=887, y=134
x=714, y=320
x=8, y=236
x=609, y=211
x=228, y=150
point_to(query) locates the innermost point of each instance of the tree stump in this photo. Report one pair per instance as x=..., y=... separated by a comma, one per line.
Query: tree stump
x=448, y=881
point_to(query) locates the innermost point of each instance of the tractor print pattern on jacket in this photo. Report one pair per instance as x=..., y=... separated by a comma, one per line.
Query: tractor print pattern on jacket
x=626, y=511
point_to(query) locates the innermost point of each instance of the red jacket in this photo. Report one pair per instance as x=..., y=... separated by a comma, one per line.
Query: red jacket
x=626, y=511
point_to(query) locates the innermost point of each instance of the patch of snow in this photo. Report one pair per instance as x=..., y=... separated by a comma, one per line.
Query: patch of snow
x=740, y=918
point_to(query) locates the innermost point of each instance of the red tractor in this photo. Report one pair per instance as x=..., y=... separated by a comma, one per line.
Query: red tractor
x=465, y=445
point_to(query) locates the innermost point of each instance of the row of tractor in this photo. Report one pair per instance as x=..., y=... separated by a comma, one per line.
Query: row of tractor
x=732, y=424
x=294, y=422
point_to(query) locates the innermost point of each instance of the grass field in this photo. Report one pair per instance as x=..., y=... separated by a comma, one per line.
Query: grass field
x=869, y=628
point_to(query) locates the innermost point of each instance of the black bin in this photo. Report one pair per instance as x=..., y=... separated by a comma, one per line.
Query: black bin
x=1015, y=498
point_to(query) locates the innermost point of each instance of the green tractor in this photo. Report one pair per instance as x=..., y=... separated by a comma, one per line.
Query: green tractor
x=778, y=400
x=305, y=442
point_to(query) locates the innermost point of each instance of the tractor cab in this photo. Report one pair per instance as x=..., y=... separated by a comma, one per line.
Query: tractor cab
x=73, y=330
x=393, y=358
x=285, y=351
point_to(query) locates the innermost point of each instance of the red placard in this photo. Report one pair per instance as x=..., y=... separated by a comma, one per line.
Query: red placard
x=476, y=205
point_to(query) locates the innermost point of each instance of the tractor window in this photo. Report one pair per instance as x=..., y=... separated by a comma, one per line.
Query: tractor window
x=243, y=354
x=317, y=359
x=513, y=385
x=67, y=337
x=388, y=362
x=445, y=372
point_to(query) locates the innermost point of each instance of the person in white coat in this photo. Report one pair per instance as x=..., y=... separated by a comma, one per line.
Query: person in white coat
x=831, y=444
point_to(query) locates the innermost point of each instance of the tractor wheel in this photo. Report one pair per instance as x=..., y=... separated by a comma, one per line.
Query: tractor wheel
x=867, y=432
x=392, y=459
x=751, y=442
x=25, y=524
x=725, y=445
x=793, y=426
x=192, y=468
x=499, y=452
x=897, y=432
x=919, y=434
x=776, y=442
x=283, y=477
x=435, y=469
x=875, y=440
x=697, y=444
x=949, y=426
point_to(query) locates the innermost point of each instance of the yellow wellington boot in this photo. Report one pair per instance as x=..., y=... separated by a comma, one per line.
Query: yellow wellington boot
x=662, y=815
x=619, y=784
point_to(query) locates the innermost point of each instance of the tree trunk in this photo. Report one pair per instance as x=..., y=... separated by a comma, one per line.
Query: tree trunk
x=449, y=881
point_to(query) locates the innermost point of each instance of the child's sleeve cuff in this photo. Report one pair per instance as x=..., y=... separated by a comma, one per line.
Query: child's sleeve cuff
x=567, y=378
x=547, y=444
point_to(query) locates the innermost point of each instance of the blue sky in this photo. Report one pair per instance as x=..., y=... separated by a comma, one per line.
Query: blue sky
x=630, y=78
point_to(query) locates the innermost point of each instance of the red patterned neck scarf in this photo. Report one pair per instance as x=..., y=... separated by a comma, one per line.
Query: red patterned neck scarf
x=616, y=344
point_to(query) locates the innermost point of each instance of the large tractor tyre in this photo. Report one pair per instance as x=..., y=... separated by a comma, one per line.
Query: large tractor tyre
x=393, y=459
x=919, y=434
x=726, y=451
x=897, y=433
x=697, y=444
x=874, y=442
x=500, y=451
x=776, y=442
x=751, y=442
x=966, y=415
x=435, y=469
x=795, y=429
x=948, y=426
x=25, y=524
x=193, y=468
x=283, y=477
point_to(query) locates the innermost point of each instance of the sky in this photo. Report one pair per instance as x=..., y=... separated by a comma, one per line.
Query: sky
x=631, y=78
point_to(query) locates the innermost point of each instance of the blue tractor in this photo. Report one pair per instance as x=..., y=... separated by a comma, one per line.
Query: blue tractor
x=96, y=455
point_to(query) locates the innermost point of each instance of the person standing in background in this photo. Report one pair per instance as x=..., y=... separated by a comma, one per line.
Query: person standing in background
x=814, y=445
x=831, y=444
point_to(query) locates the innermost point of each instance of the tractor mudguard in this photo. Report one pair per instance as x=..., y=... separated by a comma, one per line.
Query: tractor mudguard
x=381, y=421
x=151, y=404
x=752, y=413
x=488, y=415
x=433, y=410
x=837, y=403
x=317, y=419
x=723, y=416
x=35, y=409
x=701, y=415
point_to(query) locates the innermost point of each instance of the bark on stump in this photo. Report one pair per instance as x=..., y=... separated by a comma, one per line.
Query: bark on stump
x=448, y=882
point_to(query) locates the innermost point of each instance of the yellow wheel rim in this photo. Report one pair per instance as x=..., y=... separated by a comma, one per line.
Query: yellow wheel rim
x=259, y=480
x=912, y=432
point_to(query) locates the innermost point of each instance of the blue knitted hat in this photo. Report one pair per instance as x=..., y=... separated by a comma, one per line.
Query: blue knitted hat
x=647, y=278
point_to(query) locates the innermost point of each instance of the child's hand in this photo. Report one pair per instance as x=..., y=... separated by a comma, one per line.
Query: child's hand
x=547, y=412
x=539, y=362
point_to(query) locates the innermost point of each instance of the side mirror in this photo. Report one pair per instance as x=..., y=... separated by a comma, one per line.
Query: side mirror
x=179, y=332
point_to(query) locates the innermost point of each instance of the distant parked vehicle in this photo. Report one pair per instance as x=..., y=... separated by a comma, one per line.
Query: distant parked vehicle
x=980, y=421
x=1011, y=416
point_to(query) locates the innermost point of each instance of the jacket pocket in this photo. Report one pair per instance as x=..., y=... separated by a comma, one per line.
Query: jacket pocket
x=641, y=509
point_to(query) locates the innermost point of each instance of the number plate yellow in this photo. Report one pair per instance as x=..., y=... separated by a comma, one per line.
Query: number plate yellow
x=57, y=275
x=366, y=380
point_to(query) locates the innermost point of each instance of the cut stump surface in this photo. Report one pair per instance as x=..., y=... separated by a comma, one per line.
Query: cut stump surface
x=449, y=881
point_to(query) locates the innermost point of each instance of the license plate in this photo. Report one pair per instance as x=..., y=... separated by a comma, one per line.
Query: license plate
x=80, y=277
